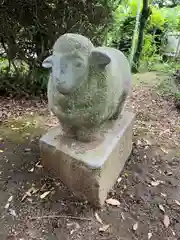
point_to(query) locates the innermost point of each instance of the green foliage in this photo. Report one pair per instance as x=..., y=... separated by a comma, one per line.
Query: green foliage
x=23, y=81
x=177, y=95
x=172, y=18
x=168, y=88
x=30, y=28
x=165, y=66
x=133, y=7
x=157, y=19
x=119, y=16
x=149, y=55
x=163, y=19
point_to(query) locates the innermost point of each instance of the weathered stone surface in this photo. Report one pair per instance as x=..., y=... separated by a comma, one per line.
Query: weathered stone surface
x=88, y=85
x=89, y=170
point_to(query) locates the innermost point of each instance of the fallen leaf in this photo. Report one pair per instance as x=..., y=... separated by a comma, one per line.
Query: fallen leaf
x=34, y=190
x=38, y=165
x=174, y=234
x=27, y=149
x=113, y=202
x=10, y=198
x=119, y=180
x=24, y=197
x=164, y=150
x=15, y=128
x=73, y=224
x=29, y=193
x=98, y=218
x=12, y=212
x=177, y=202
x=72, y=231
x=166, y=221
x=139, y=142
x=104, y=228
x=31, y=170
x=149, y=235
x=147, y=142
x=161, y=208
x=1, y=151
x=77, y=226
x=126, y=174
x=135, y=226
x=156, y=183
x=169, y=173
x=70, y=224
x=45, y=194
x=8, y=202
x=122, y=215
x=7, y=205
x=163, y=195
x=30, y=200
x=43, y=187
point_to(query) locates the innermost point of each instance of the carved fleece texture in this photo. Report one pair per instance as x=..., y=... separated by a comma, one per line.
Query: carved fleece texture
x=102, y=94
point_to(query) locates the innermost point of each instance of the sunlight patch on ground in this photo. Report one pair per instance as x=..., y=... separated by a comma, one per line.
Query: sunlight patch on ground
x=22, y=128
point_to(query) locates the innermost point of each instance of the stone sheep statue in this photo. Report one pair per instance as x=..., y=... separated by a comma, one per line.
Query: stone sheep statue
x=88, y=85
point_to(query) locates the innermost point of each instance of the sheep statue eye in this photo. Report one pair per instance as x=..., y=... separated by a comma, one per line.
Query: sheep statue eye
x=78, y=64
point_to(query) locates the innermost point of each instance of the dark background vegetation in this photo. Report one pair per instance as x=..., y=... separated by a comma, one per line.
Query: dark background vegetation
x=29, y=29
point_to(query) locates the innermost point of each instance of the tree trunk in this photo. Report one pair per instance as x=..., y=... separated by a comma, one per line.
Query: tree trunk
x=143, y=19
x=133, y=47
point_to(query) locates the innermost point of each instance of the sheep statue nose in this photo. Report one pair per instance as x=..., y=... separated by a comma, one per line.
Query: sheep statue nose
x=87, y=150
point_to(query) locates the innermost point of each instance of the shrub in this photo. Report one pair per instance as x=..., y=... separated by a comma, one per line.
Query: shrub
x=30, y=27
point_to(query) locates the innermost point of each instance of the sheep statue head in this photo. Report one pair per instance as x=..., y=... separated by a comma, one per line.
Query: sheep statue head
x=72, y=57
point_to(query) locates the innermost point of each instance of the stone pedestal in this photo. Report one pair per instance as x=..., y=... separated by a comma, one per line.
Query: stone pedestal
x=89, y=170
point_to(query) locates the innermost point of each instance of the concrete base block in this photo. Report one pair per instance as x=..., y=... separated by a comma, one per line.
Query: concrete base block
x=89, y=170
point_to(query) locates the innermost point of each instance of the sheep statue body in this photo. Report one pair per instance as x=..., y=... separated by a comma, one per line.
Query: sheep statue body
x=88, y=85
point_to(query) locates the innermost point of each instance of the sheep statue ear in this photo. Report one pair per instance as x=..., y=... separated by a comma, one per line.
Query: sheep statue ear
x=99, y=57
x=48, y=62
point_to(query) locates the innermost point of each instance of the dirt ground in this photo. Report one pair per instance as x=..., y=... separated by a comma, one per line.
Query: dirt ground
x=34, y=206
